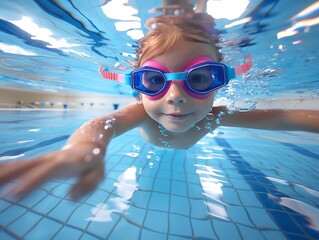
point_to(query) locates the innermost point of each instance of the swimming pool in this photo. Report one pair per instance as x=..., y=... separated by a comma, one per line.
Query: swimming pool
x=233, y=184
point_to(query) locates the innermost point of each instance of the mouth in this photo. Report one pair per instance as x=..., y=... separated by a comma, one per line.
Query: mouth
x=178, y=116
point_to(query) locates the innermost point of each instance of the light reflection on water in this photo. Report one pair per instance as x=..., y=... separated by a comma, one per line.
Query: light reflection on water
x=126, y=185
x=285, y=56
x=213, y=190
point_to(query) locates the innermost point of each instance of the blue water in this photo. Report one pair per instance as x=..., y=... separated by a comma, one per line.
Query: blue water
x=233, y=184
x=54, y=46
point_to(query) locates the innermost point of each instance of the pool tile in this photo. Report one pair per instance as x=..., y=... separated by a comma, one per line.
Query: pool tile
x=178, y=176
x=203, y=229
x=5, y=236
x=24, y=224
x=302, y=221
x=47, y=204
x=273, y=235
x=292, y=236
x=112, y=174
x=61, y=190
x=286, y=222
x=96, y=197
x=104, y=228
x=156, y=221
x=198, y=209
x=68, y=233
x=269, y=202
x=260, y=217
x=249, y=198
x=165, y=166
x=230, y=196
x=240, y=184
x=135, y=215
x=80, y=215
x=195, y=191
x=159, y=201
x=166, y=172
x=87, y=236
x=63, y=210
x=141, y=199
x=145, y=183
x=238, y=214
x=172, y=237
x=226, y=230
x=248, y=233
x=179, y=188
x=192, y=177
x=179, y=225
x=257, y=187
x=34, y=198
x=150, y=172
x=162, y=185
x=11, y=213
x=3, y=205
x=45, y=229
x=150, y=235
x=126, y=229
x=179, y=205
x=107, y=185
x=164, y=175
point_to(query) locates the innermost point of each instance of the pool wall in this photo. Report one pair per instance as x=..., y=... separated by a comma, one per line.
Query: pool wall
x=18, y=98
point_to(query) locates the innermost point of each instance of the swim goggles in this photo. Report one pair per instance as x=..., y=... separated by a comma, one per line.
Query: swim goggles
x=200, y=77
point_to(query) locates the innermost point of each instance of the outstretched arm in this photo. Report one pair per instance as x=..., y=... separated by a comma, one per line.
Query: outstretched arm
x=272, y=119
x=82, y=156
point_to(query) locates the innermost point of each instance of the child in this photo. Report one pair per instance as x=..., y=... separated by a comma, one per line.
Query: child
x=173, y=114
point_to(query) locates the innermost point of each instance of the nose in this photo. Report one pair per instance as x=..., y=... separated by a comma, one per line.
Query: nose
x=176, y=93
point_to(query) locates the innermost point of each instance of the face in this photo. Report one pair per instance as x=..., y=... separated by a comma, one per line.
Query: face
x=177, y=111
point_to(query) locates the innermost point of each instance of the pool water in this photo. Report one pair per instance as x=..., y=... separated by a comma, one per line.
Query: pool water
x=233, y=184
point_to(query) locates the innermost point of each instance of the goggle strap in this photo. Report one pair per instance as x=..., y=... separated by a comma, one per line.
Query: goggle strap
x=230, y=74
x=245, y=67
x=122, y=78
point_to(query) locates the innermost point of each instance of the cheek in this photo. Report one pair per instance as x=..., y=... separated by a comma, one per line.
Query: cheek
x=206, y=104
x=150, y=106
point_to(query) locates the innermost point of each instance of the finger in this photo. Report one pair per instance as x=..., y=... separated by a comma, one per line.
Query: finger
x=11, y=170
x=32, y=178
x=88, y=181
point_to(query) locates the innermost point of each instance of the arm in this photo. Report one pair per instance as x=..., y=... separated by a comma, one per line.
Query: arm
x=272, y=119
x=82, y=156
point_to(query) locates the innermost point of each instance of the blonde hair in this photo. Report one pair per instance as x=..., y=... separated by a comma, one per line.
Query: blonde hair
x=166, y=31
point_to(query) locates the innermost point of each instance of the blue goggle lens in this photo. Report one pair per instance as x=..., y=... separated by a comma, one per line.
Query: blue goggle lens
x=149, y=81
x=205, y=79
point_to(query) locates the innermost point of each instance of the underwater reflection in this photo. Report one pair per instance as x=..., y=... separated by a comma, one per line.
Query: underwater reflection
x=126, y=186
x=212, y=190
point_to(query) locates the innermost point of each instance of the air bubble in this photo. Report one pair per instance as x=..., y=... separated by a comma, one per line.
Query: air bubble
x=210, y=117
x=96, y=151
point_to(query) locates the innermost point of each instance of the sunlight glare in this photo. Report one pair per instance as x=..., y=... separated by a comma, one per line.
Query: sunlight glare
x=229, y=9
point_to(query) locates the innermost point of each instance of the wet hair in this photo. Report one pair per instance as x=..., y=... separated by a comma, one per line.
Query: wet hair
x=165, y=31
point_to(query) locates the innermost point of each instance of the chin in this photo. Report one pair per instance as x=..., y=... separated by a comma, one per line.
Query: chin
x=177, y=128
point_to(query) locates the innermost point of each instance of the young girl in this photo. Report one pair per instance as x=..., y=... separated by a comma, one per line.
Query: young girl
x=177, y=74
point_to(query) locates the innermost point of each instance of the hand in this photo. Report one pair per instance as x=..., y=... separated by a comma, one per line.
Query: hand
x=83, y=160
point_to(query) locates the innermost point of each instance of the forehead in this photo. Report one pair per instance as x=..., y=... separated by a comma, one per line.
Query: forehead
x=183, y=52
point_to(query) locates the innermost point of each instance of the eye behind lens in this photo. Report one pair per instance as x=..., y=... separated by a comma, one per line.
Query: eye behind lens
x=201, y=79
x=153, y=81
